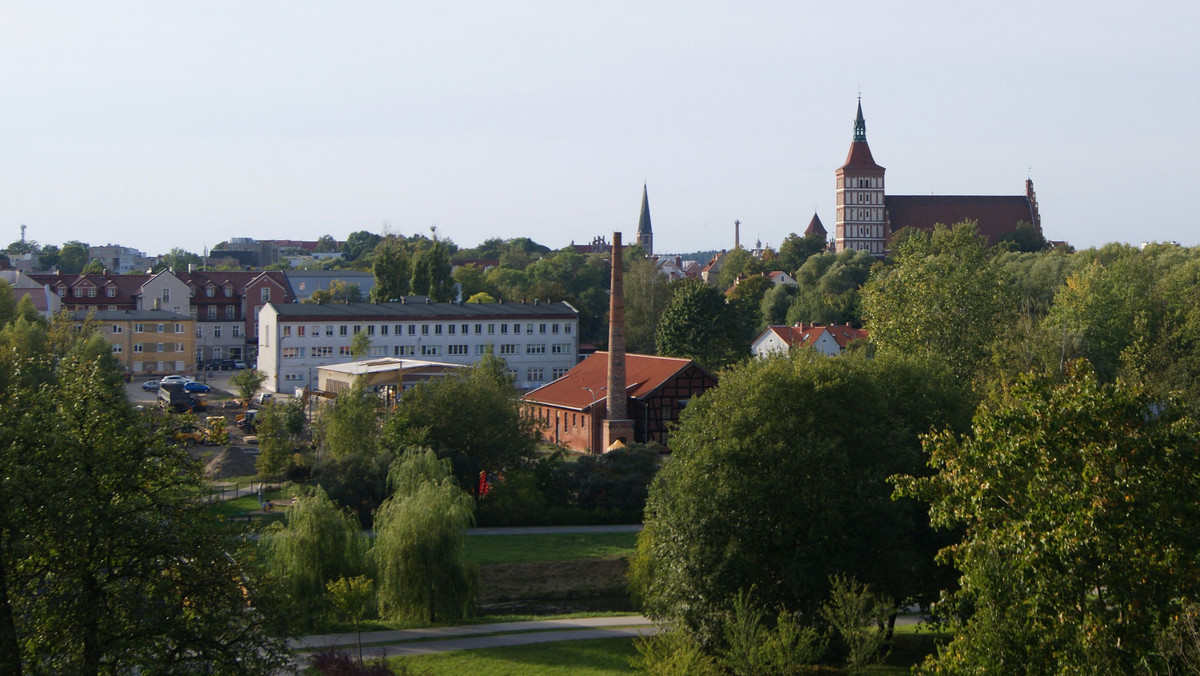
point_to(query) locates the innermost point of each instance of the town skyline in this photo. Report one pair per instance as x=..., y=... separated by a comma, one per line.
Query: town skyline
x=155, y=126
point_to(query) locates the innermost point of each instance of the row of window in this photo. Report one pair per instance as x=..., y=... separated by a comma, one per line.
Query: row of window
x=141, y=328
x=138, y=348
x=426, y=329
x=235, y=331
x=326, y=351
x=111, y=292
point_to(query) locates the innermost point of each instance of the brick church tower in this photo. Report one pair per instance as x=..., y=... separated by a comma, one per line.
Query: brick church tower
x=861, y=212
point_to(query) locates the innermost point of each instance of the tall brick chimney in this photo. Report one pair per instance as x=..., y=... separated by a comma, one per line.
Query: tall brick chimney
x=617, y=425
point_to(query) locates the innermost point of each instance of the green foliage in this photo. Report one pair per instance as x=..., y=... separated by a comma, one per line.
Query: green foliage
x=735, y=264
x=393, y=271
x=470, y=279
x=1081, y=525
x=796, y=249
x=247, y=382
x=778, y=479
x=698, y=324
x=646, y=297
x=1024, y=237
x=671, y=652
x=775, y=304
x=943, y=298
x=420, y=532
x=489, y=434
x=860, y=620
x=277, y=425
x=351, y=599
x=753, y=649
x=481, y=297
x=73, y=257
x=319, y=543
x=106, y=561
x=359, y=244
x=356, y=481
x=829, y=288
x=338, y=292
x=360, y=345
x=350, y=425
x=431, y=273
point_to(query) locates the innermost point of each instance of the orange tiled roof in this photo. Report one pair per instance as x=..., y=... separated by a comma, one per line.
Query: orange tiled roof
x=643, y=375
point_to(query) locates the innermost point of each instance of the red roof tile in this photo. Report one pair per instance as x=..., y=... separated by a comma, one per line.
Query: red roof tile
x=995, y=215
x=643, y=374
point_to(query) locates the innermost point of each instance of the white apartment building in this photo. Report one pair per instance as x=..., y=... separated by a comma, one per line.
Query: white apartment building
x=538, y=341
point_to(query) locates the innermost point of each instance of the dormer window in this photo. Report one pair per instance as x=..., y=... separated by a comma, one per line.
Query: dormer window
x=228, y=291
x=111, y=292
x=78, y=293
x=91, y=292
x=210, y=292
x=62, y=291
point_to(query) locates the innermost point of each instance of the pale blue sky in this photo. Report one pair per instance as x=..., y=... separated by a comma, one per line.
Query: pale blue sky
x=160, y=124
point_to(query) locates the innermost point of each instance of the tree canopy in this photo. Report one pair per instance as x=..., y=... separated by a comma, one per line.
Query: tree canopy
x=779, y=479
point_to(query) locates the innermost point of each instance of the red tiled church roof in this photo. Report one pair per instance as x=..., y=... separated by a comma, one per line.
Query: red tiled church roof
x=995, y=215
x=643, y=373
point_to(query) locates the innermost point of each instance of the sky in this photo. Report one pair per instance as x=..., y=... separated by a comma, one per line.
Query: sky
x=164, y=124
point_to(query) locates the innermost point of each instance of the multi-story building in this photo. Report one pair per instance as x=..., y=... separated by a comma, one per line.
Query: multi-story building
x=867, y=216
x=223, y=305
x=120, y=259
x=146, y=341
x=538, y=341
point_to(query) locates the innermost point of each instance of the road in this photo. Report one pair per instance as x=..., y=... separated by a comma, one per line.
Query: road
x=474, y=636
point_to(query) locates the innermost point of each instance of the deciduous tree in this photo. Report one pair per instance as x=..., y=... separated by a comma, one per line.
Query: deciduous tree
x=1081, y=527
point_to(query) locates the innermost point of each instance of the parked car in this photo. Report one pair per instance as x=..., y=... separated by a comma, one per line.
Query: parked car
x=175, y=379
x=150, y=386
x=239, y=365
x=262, y=398
x=195, y=387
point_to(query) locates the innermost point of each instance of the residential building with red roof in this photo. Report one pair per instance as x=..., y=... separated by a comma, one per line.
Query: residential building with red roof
x=867, y=216
x=829, y=340
x=573, y=408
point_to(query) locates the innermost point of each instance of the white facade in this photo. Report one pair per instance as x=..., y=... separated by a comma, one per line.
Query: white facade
x=539, y=341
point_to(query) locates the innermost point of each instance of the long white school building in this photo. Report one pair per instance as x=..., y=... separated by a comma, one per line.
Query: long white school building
x=539, y=341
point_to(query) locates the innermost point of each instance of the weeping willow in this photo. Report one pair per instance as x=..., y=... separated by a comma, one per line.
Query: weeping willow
x=320, y=543
x=420, y=533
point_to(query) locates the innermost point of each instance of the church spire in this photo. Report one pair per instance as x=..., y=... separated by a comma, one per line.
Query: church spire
x=860, y=125
x=645, y=235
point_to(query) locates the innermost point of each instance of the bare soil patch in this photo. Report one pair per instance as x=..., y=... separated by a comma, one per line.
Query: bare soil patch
x=230, y=462
x=552, y=580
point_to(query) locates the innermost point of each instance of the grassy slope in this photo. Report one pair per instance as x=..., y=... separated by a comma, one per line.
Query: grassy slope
x=492, y=549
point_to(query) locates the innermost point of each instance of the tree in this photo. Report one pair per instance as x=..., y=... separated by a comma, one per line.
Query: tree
x=360, y=346
x=326, y=244
x=316, y=544
x=431, y=273
x=1081, y=528
x=358, y=244
x=351, y=598
x=277, y=425
x=646, y=297
x=247, y=382
x=698, y=324
x=490, y=434
x=737, y=263
x=73, y=257
x=338, y=292
x=420, y=534
x=779, y=479
x=943, y=298
x=351, y=424
x=393, y=274
x=481, y=297
x=178, y=259
x=470, y=279
x=796, y=249
x=107, y=562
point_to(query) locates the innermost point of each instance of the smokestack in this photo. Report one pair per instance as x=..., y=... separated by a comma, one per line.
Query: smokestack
x=617, y=425
x=737, y=234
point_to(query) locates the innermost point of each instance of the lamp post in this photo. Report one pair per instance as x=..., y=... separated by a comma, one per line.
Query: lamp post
x=592, y=413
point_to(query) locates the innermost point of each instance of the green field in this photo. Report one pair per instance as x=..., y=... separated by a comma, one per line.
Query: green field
x=603, y=657
x=491, y=549
x=599, y=657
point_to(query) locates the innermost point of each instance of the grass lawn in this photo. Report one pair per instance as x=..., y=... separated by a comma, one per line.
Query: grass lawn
x=599, y=657
x=491, y=549
x=230, y=509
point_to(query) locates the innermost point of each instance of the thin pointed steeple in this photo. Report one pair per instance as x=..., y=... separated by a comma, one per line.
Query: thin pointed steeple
x=645, y=235
x=860, y=125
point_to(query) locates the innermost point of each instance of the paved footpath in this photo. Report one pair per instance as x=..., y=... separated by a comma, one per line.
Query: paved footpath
x=467, y=637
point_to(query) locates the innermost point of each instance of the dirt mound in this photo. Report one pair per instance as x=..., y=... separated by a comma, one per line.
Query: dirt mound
x=231, y=462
